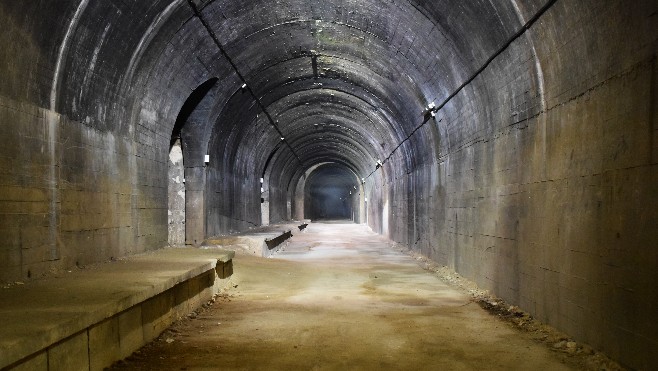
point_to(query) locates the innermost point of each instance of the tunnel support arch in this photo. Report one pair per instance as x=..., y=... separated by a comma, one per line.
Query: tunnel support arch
x=191, y=185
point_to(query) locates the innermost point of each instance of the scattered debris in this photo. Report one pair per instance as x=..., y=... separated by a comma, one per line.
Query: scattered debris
x=581, y=355
x=560, y=344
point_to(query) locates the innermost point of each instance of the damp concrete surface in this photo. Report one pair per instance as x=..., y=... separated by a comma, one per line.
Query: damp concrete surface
x=339, y=297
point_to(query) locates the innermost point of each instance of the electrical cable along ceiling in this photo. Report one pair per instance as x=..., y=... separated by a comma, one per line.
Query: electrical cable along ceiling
x=336, y=81
x=298, y=82
x=371, y=67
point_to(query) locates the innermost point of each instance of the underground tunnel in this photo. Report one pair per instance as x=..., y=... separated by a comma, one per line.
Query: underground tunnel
x=331, y=193
x=512, y=142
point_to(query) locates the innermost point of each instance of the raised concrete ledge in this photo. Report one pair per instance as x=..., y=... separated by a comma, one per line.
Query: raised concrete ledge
x=262, y=241
x=92, y=317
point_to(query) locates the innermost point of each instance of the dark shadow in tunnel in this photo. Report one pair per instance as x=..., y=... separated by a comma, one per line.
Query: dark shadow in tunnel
x=329, y=195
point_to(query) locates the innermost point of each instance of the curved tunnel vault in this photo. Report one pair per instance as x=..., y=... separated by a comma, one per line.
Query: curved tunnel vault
x=513, y=141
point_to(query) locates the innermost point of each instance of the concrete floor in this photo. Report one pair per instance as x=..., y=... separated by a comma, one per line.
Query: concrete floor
x=339, y=297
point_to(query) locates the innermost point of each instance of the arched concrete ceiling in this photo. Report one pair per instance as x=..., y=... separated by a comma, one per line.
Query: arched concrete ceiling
x=344, y=81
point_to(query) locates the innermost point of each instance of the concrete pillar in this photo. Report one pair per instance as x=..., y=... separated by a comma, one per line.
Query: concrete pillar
x=195, y=205
x=264, y=201
x=299, y=198
x=176, y=196
x=265, y=213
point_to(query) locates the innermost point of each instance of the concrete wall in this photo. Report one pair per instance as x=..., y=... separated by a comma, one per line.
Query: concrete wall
x=80, y=184
x=89, y=121
x=66, y=197
x=544, y=187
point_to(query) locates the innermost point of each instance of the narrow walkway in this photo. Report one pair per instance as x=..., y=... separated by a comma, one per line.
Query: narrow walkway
x=339, y=298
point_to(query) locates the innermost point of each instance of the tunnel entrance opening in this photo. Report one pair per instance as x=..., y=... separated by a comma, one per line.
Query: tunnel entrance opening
x=330, y=194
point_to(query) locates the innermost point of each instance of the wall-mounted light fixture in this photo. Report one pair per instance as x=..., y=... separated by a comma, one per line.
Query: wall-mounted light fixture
x=430, y=110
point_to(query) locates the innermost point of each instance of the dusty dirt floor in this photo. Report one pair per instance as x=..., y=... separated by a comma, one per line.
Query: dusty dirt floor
x=339, y=297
